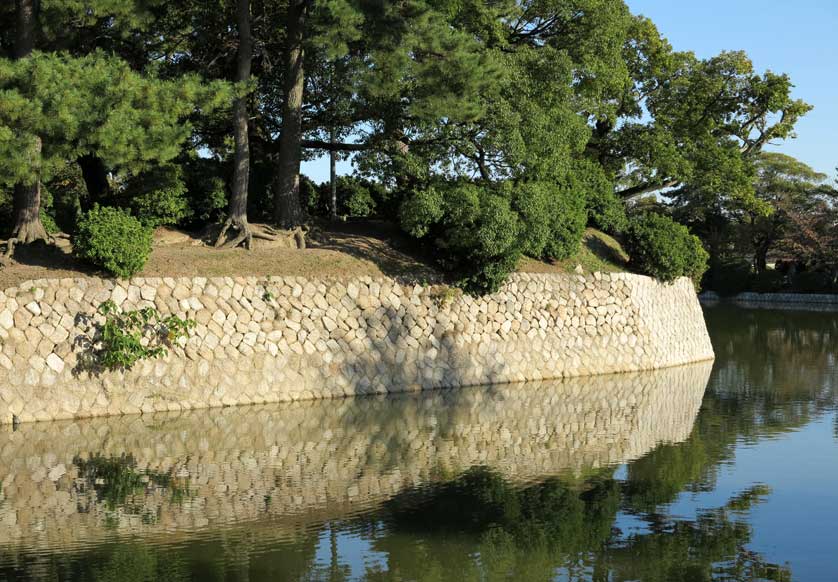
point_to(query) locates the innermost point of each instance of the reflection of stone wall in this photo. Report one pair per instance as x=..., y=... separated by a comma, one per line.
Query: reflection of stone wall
x=313, y=459
x=268, y=340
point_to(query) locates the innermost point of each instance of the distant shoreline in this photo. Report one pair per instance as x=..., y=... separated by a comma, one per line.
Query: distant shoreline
x=823, y=301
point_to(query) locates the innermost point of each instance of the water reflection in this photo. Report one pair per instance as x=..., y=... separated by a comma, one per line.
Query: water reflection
x=572, y=480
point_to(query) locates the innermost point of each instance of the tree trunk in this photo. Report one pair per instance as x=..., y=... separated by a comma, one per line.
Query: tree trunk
x=26, y=15
x=333, y=176
x=27, y=197
x=288, y=211
x=237, y=219
x=761, y=258
x=95, y=177
x=27, y=208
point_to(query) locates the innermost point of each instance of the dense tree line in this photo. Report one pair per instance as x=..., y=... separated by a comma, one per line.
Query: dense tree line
x=491, y=129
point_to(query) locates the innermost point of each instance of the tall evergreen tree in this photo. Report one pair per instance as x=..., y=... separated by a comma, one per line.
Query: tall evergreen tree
x=27, y=226
x=237, y=219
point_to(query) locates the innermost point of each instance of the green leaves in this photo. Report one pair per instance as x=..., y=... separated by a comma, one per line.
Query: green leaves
x=662, y=248
x=112, y=239
x=130, y=336
x=93, y=104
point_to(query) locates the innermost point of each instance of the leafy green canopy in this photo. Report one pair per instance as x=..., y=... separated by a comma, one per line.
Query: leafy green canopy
x=93, y=104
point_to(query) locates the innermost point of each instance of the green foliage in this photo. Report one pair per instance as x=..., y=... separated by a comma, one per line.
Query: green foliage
x=553, y=218
x=532, y=201
x=662, y=248
x=567, y=224
x=476, y=232
x=92, y=104
x=728, y=277
x=606, y=211
x=158, y=197
x=130, y=336
x=206, y=191
x=421, y=211
x=356, y=198
x=114, y=240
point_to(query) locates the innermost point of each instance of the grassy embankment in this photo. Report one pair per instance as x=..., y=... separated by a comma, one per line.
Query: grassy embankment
x=347, y=250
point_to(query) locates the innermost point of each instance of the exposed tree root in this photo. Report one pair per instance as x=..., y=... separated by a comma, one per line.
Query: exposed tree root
x=27, y=234
x=299, y=235
x=244, y=234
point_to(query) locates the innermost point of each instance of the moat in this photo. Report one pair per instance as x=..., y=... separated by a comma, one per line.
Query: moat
x=722, y=470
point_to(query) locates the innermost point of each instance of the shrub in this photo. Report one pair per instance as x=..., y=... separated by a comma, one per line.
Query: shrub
x=532, y=202
x=567, y=224
x=130, y=336
x=356, y=198
x=553, y=218
x=660, y=247
x=158, y=197
x=421, y=211
x=206, y=189
x=769, y=281
x=728, y=277
x=476, y=233
x=605, y=210
x=112, y=239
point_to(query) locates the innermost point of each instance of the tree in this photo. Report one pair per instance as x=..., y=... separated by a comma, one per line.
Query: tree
x=288, y=210
x=27, y=192
x=410, y=68
x=680, y=125
x=55, y=108
x=792, y=191
x=237, y=219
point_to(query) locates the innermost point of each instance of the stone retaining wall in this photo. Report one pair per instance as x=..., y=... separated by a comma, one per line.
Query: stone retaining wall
x=315, y=460
x=260, y=340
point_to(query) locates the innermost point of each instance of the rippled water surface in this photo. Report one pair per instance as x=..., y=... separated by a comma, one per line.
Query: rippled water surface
x=706, y=472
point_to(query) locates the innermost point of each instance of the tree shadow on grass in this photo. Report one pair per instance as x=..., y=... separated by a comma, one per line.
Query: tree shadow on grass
x=378, y=242
x=605, y=252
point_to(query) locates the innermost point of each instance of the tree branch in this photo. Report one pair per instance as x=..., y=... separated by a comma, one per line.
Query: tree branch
x=646, y=188
x=313, y=144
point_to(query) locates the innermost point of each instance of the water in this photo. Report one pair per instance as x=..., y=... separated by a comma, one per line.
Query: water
x=722, y=472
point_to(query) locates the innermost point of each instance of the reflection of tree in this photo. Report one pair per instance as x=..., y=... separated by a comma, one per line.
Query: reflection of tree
x=774, y=356
x=483, y=528
x=710, y=548
x=773, y=374
x=116, y=479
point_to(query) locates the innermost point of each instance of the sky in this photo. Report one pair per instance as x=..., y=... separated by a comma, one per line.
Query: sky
x=799, y=38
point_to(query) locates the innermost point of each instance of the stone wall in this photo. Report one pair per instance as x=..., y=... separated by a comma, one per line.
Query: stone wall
x=261, y=340
x=316, y=460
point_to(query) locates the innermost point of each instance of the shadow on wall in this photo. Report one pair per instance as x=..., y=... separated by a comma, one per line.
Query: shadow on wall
x=400, y=359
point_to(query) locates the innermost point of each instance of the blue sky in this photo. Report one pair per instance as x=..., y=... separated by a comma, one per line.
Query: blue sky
x=797, y=37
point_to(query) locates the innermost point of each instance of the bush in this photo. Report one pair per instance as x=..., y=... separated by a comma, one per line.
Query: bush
x=728, y=277
x=356, y=198
x=206, y=190
x=813, y=282
x=605, y=210
x=532, y=202
x=158, y=197
x=567, y=224
x=662, y=248
x=130, y=336
x=553, y=218
x=476, y=233
x=114, y=240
